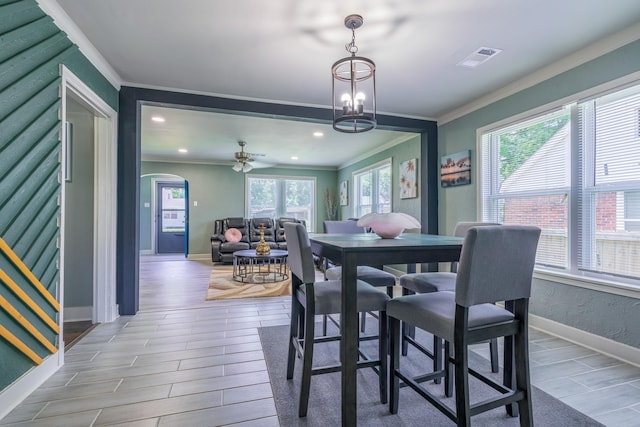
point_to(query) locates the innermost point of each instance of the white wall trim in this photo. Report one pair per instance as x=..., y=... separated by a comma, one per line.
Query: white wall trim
x=105, y=200
x=13, y=395
x=66, y=24
x=199, y=257
x=603, y=345
x=75, y=314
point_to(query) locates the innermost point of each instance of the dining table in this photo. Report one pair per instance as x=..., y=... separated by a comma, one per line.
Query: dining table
x=352, y=250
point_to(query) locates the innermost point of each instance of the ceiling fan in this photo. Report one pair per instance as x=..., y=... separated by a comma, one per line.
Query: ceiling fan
x=244, y=159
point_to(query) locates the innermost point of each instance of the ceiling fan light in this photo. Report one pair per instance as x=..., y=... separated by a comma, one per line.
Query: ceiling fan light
x=237, y=167
x=247, y=167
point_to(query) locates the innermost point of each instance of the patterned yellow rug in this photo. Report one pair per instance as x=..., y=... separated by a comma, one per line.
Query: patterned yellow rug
x=222, y=286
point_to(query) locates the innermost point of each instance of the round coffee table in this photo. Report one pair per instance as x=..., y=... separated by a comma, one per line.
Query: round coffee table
x=249, y=267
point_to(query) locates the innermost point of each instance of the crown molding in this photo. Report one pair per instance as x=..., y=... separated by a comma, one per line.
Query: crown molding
x=593, y=51
x=396, y=141
x=66, y=24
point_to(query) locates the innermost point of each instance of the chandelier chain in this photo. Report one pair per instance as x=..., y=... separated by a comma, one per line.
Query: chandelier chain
x=351, y=47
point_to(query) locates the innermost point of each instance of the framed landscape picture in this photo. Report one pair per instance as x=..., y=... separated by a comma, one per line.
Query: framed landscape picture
x=409, y=179
x=455, y=169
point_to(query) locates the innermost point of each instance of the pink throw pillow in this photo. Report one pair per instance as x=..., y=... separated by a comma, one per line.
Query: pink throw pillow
x=233, y=235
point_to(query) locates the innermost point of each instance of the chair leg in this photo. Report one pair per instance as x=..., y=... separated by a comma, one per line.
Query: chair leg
x=307, y=364
x=383, y=347
x=448, y=378
x=363, y=319
x=324, y=325
x=463, y=410
x=493, y=352
x=394, y=365
x=437, y=357
x=293, y=335
x=406, y=328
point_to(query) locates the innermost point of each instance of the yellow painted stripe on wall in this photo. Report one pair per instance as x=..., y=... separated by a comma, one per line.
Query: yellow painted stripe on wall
x=4, y=333
x=25, y=298
x=6, y=305
x=25, y=270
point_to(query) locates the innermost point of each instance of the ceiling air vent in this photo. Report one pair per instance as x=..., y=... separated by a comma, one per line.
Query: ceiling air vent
x=479, y=56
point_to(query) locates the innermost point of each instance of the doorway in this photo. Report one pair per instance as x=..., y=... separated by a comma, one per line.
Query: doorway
x=89, y=208
x=171, y=216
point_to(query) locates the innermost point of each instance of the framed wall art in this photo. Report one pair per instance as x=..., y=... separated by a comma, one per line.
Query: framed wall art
x=344, y=193
x=409, y=179
x=455, y=169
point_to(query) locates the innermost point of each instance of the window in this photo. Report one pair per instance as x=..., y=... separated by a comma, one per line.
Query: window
x=275, y=197
x=372, y=189
x=575, y=173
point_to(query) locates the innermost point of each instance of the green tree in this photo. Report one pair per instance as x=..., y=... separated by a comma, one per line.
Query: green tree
x=517, y=146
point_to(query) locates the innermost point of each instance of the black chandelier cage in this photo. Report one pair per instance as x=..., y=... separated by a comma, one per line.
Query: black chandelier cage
x=354, y=87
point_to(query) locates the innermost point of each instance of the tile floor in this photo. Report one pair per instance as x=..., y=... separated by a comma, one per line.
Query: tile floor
x=183, y=361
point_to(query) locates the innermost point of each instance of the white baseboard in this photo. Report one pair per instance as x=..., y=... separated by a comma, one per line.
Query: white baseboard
x=146, y=252
x=13, y=395
x=603, y=345
x=75, y=314
x=199, y=257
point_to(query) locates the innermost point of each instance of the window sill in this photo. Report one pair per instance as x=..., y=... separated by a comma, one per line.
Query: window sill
x=610, y=287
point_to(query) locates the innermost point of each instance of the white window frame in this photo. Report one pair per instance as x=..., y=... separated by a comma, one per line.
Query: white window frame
x=571, y=276
x=311, y=224
x=354, y=192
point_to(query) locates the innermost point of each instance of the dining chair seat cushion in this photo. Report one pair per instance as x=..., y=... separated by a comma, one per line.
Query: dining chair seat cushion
x=328, y=297
x=425, y=283
x=371, y=275
x=436, y=312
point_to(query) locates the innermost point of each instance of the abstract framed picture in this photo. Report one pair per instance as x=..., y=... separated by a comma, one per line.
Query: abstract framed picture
x=409, y=179
x=455, y=169
x=344, y=193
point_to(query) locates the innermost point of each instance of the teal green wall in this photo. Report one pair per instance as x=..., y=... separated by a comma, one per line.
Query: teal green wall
x=31, y=51
x=409, y=149
x=612, y=316
x=220, y=193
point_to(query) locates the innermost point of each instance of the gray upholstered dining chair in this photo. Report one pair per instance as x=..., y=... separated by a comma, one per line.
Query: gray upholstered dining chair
x=496, y=265
x=424, y=283
x=372, y=275
x=309, y=299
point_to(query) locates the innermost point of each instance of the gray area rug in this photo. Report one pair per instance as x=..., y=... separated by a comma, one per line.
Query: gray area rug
x=324, y=401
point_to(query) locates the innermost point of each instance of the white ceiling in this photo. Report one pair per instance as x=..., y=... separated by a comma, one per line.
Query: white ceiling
x=282, y=51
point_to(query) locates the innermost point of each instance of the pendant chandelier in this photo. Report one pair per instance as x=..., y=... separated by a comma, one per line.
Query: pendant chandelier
x=354, y=87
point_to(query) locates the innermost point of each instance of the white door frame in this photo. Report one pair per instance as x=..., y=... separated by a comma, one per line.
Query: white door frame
x=105, y=197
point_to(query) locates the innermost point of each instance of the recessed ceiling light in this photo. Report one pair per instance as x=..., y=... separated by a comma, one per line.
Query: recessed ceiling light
x=294, y=157
x=318, y=134
x=157, y=119
x=182, y=150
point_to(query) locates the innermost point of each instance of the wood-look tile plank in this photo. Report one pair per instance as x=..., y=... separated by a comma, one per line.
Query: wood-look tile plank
x=224, y=415
x=105, y=400
x=219, y=383
x=161, y=407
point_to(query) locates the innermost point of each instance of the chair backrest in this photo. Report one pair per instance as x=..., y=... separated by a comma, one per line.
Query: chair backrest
x=280, y=234
x=496, y=264
x=347, y=226
x=300, y=258
x=460, y=230
x=254, y=229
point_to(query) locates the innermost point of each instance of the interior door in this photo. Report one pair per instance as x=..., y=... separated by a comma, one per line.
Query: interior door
x=171, y=216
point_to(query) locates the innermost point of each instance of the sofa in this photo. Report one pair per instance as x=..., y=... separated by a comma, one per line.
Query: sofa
x=222, y=250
